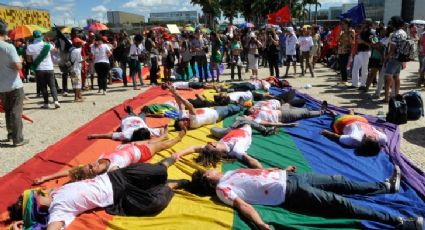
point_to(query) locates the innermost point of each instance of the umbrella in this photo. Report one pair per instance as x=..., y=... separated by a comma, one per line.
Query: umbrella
x=40, y=28
x=205, y=30
x=66, y=30
x=246, y=25
x=97, y=26
x=189, y=28
x=21, y=32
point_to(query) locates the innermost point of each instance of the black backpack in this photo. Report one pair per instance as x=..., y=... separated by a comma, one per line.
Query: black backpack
x=415, y=108
x=397, y=110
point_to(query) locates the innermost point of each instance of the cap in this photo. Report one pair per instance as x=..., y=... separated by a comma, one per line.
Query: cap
x=77, y=40
x=37, y=35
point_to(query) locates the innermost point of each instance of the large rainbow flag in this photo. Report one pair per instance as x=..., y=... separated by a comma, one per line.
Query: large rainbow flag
x=302, y=146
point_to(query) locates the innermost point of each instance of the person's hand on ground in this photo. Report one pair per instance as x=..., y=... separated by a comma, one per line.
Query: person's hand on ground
x=324, y=132
x=39, y=180
x=291, y=168
x=265, y=227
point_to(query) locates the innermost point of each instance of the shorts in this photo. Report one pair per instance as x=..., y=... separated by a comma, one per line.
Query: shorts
x=291, y=58
x=145, y=153
x=393, y=67
x=76, y=80
x=196, y=85
x=139, y=190
x=375, y=63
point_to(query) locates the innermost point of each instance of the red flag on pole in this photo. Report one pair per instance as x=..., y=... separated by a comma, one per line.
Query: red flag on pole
x=281, y=16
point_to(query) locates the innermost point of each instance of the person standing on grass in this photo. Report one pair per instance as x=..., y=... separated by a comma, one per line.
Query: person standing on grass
x=11, y=88
x=39, y=55
x=101, y=53
x=76, y=60
x=392, y=65
x=136, y=50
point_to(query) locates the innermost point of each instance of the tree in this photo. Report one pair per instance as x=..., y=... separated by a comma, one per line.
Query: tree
x=211, y=9
x=231, y=8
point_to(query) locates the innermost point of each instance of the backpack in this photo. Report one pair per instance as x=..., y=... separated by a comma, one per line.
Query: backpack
x=414, y=103
x=406, y=51
x=397, y=110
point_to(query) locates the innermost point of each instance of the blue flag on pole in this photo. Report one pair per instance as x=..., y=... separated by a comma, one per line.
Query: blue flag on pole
x=357, y=14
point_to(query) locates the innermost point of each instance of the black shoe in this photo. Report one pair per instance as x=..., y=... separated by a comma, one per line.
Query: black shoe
x=323, y=107
x=128, y=109
x=351, y=87
x=363, y=88
x=394, y=180
x=411, y=223
x=24, y=142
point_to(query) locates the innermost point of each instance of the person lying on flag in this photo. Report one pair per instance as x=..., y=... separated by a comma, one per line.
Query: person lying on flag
x=306, y=192
x=136, y=190
x=233, y=145
x=133, y=128
x=123, y=156
x=184, y=85
x=282, y=116
x=200, y=117
x=355, y=131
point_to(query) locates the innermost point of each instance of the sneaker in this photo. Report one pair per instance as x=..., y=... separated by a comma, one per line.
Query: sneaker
x=411, y=223
x=45, y=106
x=352, y=87
x=57, y=105
x=363, y=88
x=104, y=92
x=24, y=142
x=65, y=94
x=393, y=182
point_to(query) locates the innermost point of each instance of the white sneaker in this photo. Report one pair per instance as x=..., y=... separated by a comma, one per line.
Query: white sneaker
x=65, y=94
x=104, y=92
x=44, y=106
x=57, y=105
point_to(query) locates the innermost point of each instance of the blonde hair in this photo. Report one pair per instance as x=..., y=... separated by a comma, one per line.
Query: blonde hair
x=77, y=173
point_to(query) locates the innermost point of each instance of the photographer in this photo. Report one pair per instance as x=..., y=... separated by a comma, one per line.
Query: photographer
x=272, y=47
x=253, y=54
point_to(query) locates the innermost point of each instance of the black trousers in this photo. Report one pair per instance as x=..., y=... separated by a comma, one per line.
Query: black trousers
x=47, y=78
x=13, y=104
x=343, y=62
x=140, y=189
x=65, y=76
x=202, y=67
x=102, y=70
x=274, y=64
x=123, y=66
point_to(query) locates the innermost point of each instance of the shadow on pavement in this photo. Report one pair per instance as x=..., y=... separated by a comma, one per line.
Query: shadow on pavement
x=415, y=136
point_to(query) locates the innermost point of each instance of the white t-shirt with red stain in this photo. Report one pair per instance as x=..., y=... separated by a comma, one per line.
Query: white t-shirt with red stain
x=75, y=198
x=270, y=104
x=129, y=125
x=353, y=134
x=204, y=116
x=254, y=186
x=181, y=85
x=260, y=84
x=123, y=156
x=238, y=141
x=266, y=114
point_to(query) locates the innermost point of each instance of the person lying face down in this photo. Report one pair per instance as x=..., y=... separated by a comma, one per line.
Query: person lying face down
x=242, y=188
x=355, y=131
x=123, y=156
x=137, y=190
x=133, y=128
x=203, y=116
x=233, y=145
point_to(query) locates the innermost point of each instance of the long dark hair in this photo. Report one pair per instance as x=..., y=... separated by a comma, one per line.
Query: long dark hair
x=211, y=157
x=201, y=185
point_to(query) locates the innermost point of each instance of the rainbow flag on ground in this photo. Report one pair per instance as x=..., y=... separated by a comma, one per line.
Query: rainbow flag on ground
x=302, y=146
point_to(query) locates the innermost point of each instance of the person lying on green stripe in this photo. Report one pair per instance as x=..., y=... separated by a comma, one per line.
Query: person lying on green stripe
x=306, y=192
x=233, y=145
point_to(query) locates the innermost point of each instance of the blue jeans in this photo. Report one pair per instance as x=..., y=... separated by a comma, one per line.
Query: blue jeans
x=322, y=194
x=221, y=132
x=228, y=110
x=135, y=68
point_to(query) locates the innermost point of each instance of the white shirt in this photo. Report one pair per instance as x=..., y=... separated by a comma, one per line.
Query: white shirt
x=240, y=97
x=76, y=59
x=181, y=85
x=270, y=104
x=35, y=49
x=353, y=134
x=306, y=43
x=238, y=141
x=9, y=77
x=136, y=50
x=291, y=45
x=260, y=84
x=100, y=53
x=266, y=114
x=75, y=198
x=204, y=116
x=129, y=125
x=254, y=186
x=123, y=156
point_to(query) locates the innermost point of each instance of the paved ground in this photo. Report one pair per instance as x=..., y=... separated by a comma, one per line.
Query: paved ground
x=52, y=125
